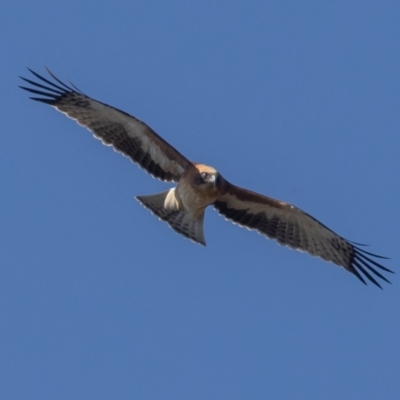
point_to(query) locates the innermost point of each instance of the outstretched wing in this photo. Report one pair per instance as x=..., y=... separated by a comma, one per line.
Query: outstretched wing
x=294, y=228
x=113, y=127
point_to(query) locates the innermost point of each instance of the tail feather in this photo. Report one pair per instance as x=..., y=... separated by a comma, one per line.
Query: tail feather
x=165, y=207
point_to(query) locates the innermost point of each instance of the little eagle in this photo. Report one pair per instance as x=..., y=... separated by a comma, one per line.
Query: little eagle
x=199, y=185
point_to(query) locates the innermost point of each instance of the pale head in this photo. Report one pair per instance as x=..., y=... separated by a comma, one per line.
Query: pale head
x=207, y=176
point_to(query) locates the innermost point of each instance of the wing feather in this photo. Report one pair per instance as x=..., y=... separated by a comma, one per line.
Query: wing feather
x=293, y=227
x=127, y=134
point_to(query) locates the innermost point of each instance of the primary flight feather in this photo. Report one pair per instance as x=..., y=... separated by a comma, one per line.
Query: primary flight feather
x=199, y=185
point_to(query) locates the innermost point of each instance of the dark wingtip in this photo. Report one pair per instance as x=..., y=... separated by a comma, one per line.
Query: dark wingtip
x=366, y=273
x=60, y=89
x=58, y=80
x=373, y=255
x=362, y=262
x=357, y=274
x=46, y=101
x=76, y=88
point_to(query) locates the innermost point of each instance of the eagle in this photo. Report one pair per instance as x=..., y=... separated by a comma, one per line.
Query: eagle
x=199, y=186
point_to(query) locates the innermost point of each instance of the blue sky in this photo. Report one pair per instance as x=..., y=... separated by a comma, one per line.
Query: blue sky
x=296, y=100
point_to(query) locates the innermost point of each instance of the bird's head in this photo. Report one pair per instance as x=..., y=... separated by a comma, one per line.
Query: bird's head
x=207, y=176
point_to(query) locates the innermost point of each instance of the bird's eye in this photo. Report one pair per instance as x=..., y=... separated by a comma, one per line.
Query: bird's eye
x=205, y=175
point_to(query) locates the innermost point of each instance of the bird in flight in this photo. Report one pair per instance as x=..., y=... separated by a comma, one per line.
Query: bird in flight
x=199, y=185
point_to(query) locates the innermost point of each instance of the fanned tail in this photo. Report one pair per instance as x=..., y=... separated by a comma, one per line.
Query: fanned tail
x=165, y=206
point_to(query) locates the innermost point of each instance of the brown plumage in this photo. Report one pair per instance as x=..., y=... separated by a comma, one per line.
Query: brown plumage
x=199, y=186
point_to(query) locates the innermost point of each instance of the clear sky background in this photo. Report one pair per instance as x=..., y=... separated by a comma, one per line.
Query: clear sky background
x=100, y=300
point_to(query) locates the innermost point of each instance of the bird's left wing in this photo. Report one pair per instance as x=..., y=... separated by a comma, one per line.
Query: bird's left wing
x=294, y=228
x=113, y=127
